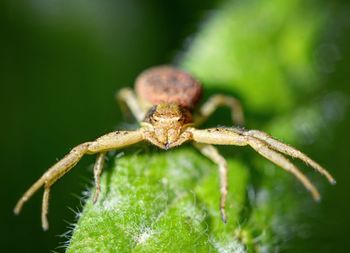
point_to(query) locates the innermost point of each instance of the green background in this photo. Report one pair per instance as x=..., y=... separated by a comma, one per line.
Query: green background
x=61, y=63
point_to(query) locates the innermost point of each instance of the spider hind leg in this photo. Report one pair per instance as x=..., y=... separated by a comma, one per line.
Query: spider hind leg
x=216, y=101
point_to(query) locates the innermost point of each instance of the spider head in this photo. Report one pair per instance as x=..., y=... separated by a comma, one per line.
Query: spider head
x=168, y=122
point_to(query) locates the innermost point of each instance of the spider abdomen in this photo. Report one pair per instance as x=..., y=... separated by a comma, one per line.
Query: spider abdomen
x=167, y=84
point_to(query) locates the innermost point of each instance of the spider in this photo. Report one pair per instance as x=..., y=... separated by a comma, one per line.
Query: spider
x=164, y=106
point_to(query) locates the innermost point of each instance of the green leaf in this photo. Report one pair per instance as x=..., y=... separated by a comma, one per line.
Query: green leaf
x=160, y=201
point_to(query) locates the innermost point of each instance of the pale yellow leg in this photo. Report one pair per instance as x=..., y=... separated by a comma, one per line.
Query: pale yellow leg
x=232, y=136
x=106, y=142
x=45, y=208
x=288, y=150
x=97, y=174
x=53, y=174
x=212, y=153
x=285, y=164
x=208, y=108
x=127, y=96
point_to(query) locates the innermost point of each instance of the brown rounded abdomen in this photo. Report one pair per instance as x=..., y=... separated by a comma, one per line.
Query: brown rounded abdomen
x=167, y=84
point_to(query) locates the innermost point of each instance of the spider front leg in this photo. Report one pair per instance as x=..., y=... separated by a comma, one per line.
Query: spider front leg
x=114, y=140
x=288, y=150
x=215, y=101
x=212, y=153
x=264, y=145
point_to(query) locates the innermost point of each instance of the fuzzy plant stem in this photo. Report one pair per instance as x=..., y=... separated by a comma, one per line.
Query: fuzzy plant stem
x=157, y=201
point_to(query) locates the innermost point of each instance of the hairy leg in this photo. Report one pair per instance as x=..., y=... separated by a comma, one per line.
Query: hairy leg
x=285, y=164
x=45, y=208
x=232, y=136
x=128, y=97
x=106, y=142
x=208, y=108
x=288, y=150
x=97, y=174
x=212, y=153
x=54, y=173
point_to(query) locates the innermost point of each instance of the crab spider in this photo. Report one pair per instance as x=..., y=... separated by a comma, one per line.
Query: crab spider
x=163, y=104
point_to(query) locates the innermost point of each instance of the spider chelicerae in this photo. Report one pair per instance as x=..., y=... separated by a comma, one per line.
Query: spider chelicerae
x=164, y=106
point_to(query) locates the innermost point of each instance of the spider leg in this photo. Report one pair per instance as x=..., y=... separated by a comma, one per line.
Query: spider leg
x=263, y=149
x=97, y=174
x=208, y=108
x=212, y=153
x=128, y=97
x=288, y=150
x=106, y=142
x=54, y=173
x=232, y=136
x=45, y=208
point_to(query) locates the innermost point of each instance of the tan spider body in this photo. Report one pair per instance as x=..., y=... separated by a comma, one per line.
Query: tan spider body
x=163, y=105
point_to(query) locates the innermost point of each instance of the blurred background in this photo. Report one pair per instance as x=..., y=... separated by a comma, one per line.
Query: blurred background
x=62, y=62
